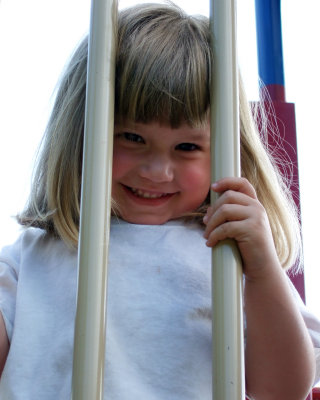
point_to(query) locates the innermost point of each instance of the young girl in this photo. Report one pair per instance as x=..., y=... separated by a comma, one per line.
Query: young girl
x=159, y=298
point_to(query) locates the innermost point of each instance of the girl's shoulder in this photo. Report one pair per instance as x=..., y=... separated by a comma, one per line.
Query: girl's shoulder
x=11, y=254
x=31, y=244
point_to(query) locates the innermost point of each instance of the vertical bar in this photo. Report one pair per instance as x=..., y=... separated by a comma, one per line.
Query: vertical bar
x=228, y=355
x=269, y=43
x=90, y=325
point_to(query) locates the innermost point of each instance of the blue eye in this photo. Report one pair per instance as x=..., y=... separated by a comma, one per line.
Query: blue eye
x=133, y=137
x=187, y=147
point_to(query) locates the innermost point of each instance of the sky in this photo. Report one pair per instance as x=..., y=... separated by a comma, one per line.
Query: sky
x=36, y=39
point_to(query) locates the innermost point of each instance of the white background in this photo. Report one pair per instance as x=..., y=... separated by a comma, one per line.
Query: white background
x=36, y=39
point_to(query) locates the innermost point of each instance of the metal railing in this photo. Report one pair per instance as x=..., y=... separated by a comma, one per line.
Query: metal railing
x=90, y=325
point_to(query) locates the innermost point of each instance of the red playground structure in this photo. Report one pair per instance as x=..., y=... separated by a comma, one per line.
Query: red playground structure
x=271, y=72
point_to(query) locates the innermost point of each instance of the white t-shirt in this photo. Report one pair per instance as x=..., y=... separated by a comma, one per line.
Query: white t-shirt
x=158, y=331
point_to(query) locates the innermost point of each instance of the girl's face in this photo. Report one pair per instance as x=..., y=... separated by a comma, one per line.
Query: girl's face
x=159, y=173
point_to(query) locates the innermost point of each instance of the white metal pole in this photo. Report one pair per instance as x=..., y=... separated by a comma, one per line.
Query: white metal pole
x=90, y=325
x=228, y=354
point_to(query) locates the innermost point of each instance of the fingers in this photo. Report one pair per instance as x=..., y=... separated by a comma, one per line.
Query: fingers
x=225, y=213
x=233, y=212
x=241, y=185
x=224, y=221
x=233, y=197
x=227, y=223
x=237, y=214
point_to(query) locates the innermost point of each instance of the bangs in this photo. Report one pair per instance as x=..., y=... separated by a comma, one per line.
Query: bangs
x=163, y=67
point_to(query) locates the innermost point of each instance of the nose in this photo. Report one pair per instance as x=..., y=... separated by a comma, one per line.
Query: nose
x=157, y=168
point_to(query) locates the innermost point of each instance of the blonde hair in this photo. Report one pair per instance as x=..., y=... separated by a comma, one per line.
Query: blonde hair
x=163, y=69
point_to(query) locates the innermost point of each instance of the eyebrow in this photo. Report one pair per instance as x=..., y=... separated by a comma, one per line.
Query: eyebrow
x=198, y=136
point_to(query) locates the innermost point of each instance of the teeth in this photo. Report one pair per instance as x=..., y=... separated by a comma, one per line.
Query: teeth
x=147, y=195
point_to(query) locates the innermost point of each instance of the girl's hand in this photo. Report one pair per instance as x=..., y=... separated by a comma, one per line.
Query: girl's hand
x=237, y=214
x=276, y=336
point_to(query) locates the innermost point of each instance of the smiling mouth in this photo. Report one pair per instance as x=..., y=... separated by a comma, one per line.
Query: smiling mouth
x=146, y=194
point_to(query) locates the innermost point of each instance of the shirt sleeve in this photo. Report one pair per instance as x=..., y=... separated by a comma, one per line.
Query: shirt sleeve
x=8, y=286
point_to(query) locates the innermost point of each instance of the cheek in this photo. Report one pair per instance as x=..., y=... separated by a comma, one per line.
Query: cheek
x=197, y=177
x=122, y=163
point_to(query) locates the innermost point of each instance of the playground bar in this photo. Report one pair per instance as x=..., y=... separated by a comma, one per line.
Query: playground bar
x=227, y=329
x=90, y=325
x=269, y=42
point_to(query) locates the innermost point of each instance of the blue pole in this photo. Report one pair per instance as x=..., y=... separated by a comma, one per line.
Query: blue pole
x=269, y=43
